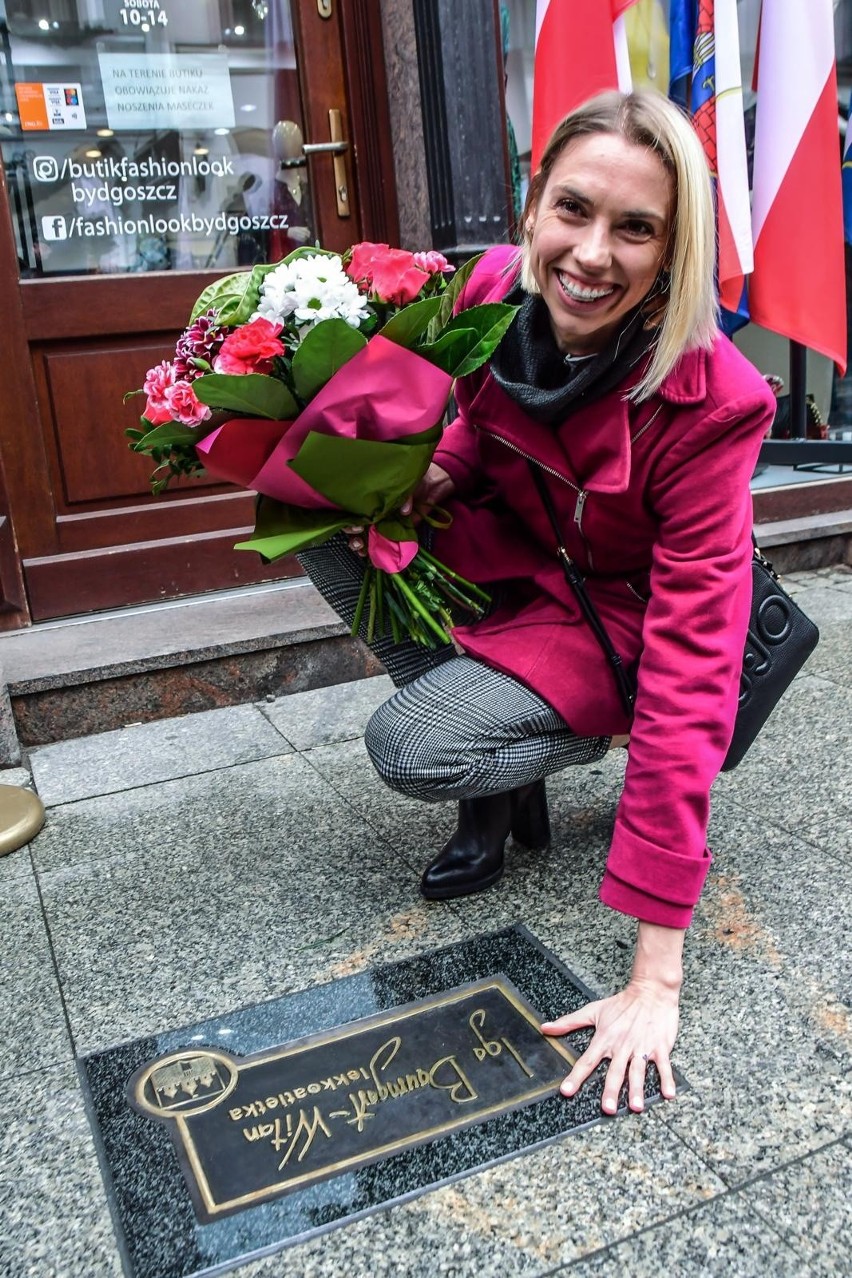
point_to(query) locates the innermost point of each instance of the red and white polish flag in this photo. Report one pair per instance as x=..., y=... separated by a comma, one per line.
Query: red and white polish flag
x=580, y=50
x=798, y=287
x=736, y=256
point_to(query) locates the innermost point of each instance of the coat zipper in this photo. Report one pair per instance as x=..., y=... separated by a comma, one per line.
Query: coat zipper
x=641, y=431
x=580, y=504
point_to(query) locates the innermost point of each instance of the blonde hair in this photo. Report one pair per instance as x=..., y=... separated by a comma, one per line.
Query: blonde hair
x=688, y=318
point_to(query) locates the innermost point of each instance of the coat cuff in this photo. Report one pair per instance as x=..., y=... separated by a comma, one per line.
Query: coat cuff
x=639, y=905
x=459, y=471
x=642, y=871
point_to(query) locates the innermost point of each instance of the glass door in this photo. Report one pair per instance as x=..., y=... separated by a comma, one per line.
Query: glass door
x=153, y=135
x=150, y=147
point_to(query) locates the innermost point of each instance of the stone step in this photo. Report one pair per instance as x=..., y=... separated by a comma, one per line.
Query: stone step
x=93, y=673
x=809, y=541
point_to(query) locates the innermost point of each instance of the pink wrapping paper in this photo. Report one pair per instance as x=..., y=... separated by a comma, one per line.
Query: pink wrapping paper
x=384, y=393
x=390, y=556
x=237, y=450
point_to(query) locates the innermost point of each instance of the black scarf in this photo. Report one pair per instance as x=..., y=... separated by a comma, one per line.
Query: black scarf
x=532, y=371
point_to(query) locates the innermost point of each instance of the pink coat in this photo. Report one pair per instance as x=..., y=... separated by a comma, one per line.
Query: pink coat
x=655, y=508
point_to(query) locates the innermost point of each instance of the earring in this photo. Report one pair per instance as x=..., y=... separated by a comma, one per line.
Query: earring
x=654, y=305
x=661, y=285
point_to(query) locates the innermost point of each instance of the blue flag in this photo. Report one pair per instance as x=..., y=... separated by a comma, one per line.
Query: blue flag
x=683, y=19
x=731, y=321
x=847, y=180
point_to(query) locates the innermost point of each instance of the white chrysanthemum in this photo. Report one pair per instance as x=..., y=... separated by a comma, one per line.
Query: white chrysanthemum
x=308, y=290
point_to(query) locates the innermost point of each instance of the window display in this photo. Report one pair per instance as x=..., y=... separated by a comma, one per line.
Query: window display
x=143, y=135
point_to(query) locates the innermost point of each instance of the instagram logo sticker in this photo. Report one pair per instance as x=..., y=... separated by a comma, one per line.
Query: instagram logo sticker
x=45, y=168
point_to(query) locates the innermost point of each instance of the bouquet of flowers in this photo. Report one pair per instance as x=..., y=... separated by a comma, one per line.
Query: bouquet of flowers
x=321, y=383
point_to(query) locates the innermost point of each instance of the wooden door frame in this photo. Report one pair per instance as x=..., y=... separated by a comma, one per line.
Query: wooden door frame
x=45, y=310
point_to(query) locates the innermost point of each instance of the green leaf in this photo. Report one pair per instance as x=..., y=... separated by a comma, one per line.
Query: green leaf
x=451, y=348
x=411, y=322
x=322, y=352
x=450, y=296
x=284, y=530
x=492, y=322
x=129, y=395
x=234, y=298
x=481, y=328
x=367, y=477
x=166, y=436
x=222, y=296
x=397, y=529
x=251, y=393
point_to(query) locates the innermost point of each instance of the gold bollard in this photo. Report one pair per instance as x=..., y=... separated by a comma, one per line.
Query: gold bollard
x=21, y=817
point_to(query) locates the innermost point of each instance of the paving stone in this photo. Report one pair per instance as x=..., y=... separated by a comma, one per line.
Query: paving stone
x=824, y=602
x=810, y=1203
x=149, y=753
x=211, y=892
x=795, y=773
x=724, y=1238
x=32, y=1023
x=17, y=776
x=55, y=1216
x=16, y=865
x=831, y=657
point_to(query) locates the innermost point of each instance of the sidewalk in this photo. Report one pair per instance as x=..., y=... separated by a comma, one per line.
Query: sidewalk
x=197, y=865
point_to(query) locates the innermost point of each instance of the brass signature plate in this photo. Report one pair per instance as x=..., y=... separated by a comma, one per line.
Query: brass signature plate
x=254, y=1128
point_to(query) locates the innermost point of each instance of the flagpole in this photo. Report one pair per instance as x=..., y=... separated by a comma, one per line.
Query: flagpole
x=798, y=390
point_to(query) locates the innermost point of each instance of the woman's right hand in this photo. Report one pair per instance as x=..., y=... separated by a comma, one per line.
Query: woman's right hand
x=434, y=488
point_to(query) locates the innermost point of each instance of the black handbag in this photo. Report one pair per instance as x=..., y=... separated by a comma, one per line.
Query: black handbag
x=779, y=641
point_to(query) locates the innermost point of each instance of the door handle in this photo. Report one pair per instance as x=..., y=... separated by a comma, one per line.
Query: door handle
x=322, y=148
x=336, y=147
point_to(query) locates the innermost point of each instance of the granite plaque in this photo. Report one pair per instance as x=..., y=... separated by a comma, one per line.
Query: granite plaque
x=196, y=1182
x=252, y=1129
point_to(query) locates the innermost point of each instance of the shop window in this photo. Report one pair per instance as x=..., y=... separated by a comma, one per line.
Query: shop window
x=151, y=135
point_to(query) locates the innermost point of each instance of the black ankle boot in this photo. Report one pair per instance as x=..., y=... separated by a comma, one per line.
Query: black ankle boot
x=530, y=820
x=473, y=858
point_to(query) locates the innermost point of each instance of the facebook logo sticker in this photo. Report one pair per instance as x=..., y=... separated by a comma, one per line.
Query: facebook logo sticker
x=54, y=227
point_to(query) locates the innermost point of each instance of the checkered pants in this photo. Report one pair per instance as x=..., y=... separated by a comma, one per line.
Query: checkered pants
x=455, y=729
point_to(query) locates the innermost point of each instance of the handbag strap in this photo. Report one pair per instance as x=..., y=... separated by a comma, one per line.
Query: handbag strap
x=574, y=577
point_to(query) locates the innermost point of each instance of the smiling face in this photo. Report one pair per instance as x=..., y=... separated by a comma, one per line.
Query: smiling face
x=598, y=236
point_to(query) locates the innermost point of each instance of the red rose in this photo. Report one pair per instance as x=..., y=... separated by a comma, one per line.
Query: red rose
x=390, y=275
x=250, y=348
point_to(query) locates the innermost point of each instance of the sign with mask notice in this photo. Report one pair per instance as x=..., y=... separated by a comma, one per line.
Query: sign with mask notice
x=167, y=91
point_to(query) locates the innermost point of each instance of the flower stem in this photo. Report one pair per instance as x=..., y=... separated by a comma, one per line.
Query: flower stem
x=362, y=599
x=454, y=576
x=416, y=606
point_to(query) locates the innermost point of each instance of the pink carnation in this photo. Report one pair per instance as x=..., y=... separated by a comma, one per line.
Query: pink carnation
x=250, y=348
x=158, y=381
x=185, y=406
x=391, y=275
x=434, y=263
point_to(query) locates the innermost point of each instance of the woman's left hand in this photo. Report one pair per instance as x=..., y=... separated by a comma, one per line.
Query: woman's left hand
x=633, y=1027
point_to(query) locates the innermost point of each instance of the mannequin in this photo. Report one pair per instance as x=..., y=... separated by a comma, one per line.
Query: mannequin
x=291, y=197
